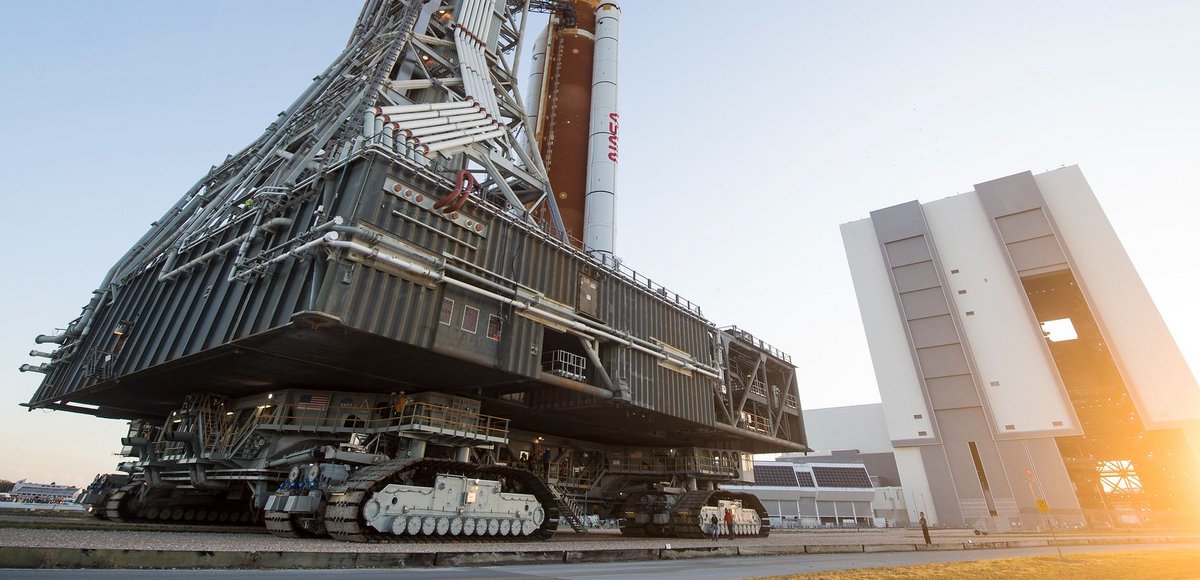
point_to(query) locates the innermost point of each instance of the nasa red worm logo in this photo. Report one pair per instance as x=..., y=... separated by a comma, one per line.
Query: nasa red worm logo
x=613, y=124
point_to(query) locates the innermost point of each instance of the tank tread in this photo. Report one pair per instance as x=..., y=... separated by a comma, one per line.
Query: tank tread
x=686, y=513
x=343, y=515
x=632, y=529
x=126, y=506
x=281, y=524
x=116, y=506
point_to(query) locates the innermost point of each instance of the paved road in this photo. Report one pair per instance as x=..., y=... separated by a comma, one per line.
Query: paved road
x=699, y=569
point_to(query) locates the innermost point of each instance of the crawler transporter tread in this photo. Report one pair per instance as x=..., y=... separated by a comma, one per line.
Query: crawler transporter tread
x=346, y=517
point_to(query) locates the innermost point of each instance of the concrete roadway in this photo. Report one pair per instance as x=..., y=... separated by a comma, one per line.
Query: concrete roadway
x=698, y=569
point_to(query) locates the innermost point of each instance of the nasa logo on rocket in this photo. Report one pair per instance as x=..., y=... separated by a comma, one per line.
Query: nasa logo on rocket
x=613, y=125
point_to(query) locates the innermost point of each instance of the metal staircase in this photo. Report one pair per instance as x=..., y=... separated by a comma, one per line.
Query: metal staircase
x=569, y=509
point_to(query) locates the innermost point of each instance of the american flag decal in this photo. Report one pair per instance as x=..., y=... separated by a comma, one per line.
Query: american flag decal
x=312, y=402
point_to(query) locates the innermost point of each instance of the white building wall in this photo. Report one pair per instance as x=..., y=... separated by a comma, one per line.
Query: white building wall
x=915, y=484
x=888, y=502
x=1160, y=380
x=861, y=427
x=899, y=387
x=1003, y=334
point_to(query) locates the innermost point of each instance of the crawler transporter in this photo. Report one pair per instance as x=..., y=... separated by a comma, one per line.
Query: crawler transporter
x=398, y=313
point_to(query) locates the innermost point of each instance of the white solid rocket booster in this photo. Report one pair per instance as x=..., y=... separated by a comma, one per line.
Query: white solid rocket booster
x=600, y=203
x=533, y=100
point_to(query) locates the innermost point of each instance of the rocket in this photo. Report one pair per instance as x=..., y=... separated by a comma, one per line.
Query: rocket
x=574, y=119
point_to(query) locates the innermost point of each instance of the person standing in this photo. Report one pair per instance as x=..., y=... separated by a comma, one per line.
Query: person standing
x=729, y=522
x=714, y=528
x=925, y=529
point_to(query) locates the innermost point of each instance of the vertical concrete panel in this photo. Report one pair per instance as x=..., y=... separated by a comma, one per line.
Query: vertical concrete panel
x=902, y=253
x=993, y=467
x=1009, y=195
x=956, y=392
x=1039, y=254
x=1016, y=461
x=963, y=425
x=916, y=276
x=942, y=490
x=899, y=222
x=1026, y=225
x=943, y=361
x=935, y=331
x=1052, y=480
x=962, y=466
x=924, y=303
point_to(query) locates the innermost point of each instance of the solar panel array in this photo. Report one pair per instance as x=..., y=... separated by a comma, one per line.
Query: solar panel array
x=777, y=475
x=841, y=476
x=805, y=478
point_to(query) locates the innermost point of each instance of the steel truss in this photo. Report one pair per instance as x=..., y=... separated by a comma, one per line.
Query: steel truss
x=759, y=391
x=400, y=53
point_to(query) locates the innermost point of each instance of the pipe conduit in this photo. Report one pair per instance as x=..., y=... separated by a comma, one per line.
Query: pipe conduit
x=273, y=224
x=657, y=351
x=374, y=239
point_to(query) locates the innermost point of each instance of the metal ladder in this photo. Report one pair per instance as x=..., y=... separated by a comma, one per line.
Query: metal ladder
x=569, y=510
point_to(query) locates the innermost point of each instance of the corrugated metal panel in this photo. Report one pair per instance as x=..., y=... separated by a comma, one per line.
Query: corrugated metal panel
x=387, y=305
x=203, y=310
x=195, y=311
x=506, y=251
x=651, y=385
x=521, y=346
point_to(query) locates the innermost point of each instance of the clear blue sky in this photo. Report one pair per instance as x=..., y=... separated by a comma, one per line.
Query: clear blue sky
x=748, y=136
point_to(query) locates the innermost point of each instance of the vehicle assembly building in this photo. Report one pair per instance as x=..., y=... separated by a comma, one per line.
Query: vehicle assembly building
x=397, y=313
x=1022, y=365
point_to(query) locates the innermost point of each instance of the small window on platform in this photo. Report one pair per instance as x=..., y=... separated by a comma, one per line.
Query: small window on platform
x=1059, y=330
x=447, y=311
x=495, y=326
x=470, y=322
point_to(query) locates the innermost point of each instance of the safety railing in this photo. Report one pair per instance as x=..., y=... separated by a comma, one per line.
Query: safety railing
x=757, y=423
x=746, y=337
x=668, y=464
x=565, y=364
x=413, y=414
x=168, y=449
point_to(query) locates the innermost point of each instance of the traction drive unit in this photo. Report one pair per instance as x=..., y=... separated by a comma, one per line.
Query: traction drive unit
x=397, y=313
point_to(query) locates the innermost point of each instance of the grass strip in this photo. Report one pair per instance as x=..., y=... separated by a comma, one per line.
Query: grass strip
x=1170, y=564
